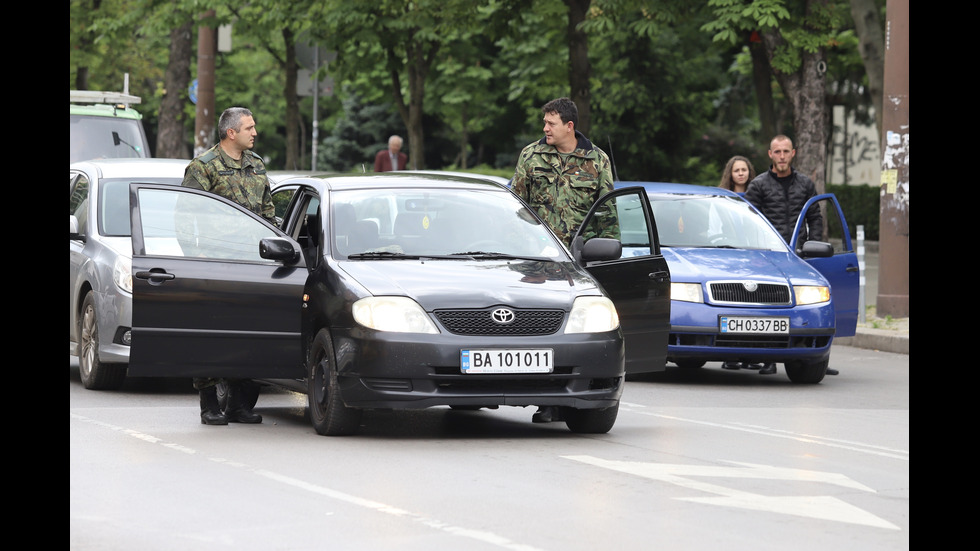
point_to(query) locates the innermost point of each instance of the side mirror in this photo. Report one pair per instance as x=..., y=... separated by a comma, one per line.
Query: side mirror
x=280, y=249
x=817, y=249
x=602, y=248
x=73, y=228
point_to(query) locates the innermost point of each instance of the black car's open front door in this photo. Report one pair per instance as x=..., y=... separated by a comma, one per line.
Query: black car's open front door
x=206, y=303
x=639, y=281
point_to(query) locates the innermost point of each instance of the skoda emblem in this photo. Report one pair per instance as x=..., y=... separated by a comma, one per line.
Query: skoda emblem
x=502, y=315
x=750, y=286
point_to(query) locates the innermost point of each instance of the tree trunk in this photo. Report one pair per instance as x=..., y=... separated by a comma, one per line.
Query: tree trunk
x=871, y=45
x=579, y=68
x=292, y=102
x=170, y=130
x=805, y=89
x=762, y=80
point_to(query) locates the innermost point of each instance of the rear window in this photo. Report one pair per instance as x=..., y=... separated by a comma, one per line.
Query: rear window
x=105, y=138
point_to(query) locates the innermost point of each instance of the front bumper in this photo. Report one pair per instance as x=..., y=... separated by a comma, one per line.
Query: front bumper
x=401, y=370
x=694, y=334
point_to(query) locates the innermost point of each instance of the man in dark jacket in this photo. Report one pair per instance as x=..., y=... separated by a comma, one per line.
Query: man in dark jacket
x=780, y=193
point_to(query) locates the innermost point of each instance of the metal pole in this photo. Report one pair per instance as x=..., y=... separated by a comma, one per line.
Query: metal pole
x=893, y=266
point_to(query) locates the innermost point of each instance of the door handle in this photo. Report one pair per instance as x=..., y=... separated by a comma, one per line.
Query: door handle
x=659, y=276
x=155, y=276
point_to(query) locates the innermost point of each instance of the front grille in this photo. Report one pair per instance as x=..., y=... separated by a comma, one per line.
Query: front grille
x=734, y=292
x=480, y=322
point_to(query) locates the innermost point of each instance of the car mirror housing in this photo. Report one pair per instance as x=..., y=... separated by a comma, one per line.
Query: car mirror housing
x=73, y=227
x=278, y=248
x=817, y=249
x=601, y=248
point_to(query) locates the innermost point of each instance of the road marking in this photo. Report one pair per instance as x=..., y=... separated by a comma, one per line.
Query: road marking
x=479, y=535
x=819, y=507
x=859, y=447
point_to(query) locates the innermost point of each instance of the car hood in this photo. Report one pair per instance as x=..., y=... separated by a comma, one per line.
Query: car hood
x=693, y=265
x=474, y=284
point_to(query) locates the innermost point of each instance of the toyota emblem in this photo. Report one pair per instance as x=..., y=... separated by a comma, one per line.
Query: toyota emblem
x=502, y=315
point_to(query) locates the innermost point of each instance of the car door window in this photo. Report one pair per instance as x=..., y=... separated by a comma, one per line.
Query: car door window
x=78, y=202
x=623, y=218
x=199, y=226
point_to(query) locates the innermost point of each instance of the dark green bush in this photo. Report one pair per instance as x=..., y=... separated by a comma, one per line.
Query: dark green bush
x=861, y=207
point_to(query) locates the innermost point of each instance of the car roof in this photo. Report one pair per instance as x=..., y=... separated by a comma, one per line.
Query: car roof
x=388, y=180
x=129, y=167
x=680, y=189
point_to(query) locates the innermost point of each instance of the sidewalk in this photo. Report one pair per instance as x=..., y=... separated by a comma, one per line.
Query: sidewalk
x=880, y=334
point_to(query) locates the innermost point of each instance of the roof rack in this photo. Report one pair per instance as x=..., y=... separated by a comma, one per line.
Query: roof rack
x=95, y=96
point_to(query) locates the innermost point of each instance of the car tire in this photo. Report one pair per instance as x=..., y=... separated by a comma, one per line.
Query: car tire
x=250, y=394
x=590, y=421
x=95, y=375
x=689, y=364
x=806, y=373
x=329, y=415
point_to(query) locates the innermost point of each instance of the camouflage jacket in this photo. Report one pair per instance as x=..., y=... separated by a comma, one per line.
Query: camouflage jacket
x=244, y=182
x=562, y=188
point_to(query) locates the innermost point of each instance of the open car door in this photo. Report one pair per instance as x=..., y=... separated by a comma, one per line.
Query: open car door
x=639, y=281
x=208, y=300
x=841, y=269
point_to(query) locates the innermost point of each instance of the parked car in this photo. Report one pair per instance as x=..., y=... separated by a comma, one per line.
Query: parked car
x=398, y=291
x=99, y=257
x=103, y=125
x=740, y=293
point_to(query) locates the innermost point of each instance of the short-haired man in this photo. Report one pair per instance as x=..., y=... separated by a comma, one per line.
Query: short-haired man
x=562, y=175
x=392, y=158
x=232, y=170
x=780, y=194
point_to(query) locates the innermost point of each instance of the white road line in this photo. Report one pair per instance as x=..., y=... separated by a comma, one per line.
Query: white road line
x=860, y=447
x=479, y=535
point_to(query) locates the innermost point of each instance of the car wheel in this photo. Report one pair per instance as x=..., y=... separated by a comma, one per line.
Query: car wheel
x=689, y=364
x=328, y=413
x=806, y=373
x=250, y=394
x=590, y=421
x=95, y=374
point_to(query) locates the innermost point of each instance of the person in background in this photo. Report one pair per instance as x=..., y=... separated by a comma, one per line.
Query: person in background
x=392, y=158
x=737, y=175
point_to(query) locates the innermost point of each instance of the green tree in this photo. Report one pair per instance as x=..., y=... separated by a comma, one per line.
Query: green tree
x=796, y=35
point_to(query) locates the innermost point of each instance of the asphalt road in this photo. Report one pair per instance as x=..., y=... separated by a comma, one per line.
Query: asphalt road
x=698, y=459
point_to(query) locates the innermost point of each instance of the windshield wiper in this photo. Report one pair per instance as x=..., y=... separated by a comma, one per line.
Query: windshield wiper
x=388, y=255
x=484, y=255
x=382, y=255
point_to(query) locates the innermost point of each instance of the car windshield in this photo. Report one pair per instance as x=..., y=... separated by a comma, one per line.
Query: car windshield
x=114, y=204
x=453, y=223
x=712, y=221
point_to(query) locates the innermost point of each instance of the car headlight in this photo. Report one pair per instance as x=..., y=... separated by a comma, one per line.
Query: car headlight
x=592, y=315
x=811, y=294
x=396, y=314
x=122, y=274
x=687, y=292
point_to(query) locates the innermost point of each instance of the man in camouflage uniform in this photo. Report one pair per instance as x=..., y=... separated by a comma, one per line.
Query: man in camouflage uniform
x=562, y=175
x=230, y=169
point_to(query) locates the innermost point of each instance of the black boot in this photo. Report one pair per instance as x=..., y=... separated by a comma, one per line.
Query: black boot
x=210, y=410
x=236, y=410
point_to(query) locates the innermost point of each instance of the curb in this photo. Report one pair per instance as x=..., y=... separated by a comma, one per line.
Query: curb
x=877, y=339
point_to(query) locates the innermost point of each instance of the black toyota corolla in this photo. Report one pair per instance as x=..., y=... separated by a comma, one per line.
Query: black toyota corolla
x=399, y=291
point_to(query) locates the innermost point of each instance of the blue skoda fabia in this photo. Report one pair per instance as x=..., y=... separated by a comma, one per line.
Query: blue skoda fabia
x=740, y=294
